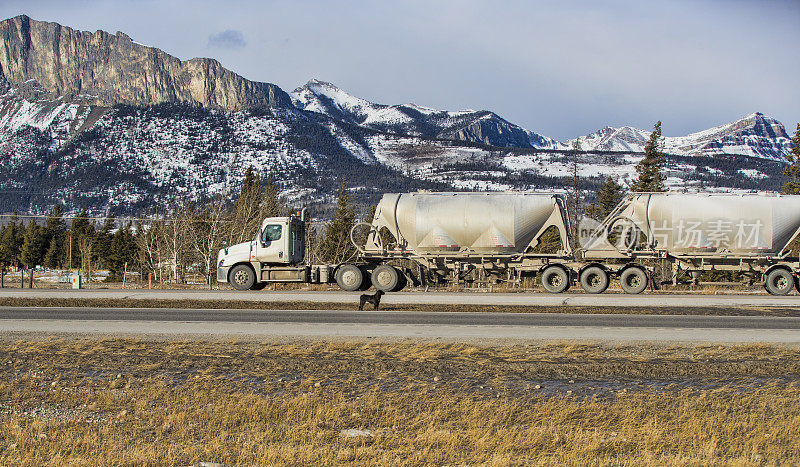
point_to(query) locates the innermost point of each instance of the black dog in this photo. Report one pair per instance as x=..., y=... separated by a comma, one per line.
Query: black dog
x=375, y=299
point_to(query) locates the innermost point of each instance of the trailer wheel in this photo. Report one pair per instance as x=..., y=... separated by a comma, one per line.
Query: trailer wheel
x=349, y=277
x=594, y=279
x=242, y=277
x=386, y=278
x=779, y=282
x=555, y=279
x=633, y=280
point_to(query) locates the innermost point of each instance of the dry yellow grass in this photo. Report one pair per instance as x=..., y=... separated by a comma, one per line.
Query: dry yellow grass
x=93, y=402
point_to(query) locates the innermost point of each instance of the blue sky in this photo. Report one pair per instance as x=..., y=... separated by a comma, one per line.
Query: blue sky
x=560, y=68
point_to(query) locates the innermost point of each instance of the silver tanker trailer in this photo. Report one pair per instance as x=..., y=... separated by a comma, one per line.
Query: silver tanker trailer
x=499, y=236
x=693, y=233
x=455, y=236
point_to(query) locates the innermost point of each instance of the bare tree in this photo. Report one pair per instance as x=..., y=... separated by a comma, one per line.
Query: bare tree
x=148, y=248
x=204, y=229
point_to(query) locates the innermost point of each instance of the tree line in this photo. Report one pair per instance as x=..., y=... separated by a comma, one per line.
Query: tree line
x=166, y=247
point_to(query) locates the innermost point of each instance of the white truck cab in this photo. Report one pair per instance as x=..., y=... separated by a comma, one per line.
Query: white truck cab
x=276, y=254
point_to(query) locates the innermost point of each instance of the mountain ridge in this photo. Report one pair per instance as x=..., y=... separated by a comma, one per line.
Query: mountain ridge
x=88, y=69
x=481, y=126
x=122, y=152
x=754, y=135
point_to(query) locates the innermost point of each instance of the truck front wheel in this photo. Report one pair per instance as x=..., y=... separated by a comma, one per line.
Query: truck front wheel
x=349, y=277
x=242, y=277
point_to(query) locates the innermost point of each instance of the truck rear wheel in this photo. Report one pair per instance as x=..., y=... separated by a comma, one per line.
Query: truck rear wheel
x=779, y=282
x=555, y=279
x=242, y=277
x=386, y=278
x=633, y=280
x=349, y=277
x=594, y=279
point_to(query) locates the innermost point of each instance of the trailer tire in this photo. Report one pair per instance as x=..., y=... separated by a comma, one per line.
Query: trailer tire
x=349, y=277
x=242, y=277
x=385, y=278
x=633, y=280
x=779, y=282
x=594, y=280
x=555, y=279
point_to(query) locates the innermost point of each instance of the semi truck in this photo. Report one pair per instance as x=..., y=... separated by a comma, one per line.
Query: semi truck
x=492, y=237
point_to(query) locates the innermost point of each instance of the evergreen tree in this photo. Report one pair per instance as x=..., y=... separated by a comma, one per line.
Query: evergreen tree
x=83, y=238
x=32, y=251
x=272, y=205
x=52, y=256
x=336, y=246
x=123, y=250
x=608, y=197
x=10, y=243
x=80, y=229
x=256, y=202
x=245, y=219
x=5, y=255
x=649, y=168
x=54, y=237
x=792, y=171
x=103, y=240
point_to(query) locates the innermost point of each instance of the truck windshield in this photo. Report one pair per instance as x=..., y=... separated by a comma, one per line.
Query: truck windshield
x=271, y=233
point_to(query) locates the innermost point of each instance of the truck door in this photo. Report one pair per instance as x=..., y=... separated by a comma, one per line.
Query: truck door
x=273, y=242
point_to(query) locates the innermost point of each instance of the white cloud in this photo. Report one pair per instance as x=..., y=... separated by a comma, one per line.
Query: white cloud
x=227, y=39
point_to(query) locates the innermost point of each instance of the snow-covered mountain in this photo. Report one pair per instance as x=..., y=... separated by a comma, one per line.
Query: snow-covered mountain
x=480, y=126
x=126, y=145
x=755, y=135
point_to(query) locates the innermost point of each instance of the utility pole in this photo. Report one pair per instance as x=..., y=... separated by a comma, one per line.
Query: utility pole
x=69, y=261
x=576, y=147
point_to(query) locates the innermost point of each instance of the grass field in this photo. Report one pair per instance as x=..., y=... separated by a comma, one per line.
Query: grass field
x=89, y=402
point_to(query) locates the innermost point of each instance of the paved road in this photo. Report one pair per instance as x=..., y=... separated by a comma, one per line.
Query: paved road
x=450, y=326
x=430, y=298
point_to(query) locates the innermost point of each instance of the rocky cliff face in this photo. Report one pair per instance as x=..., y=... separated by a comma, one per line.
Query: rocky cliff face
x=104, y=69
